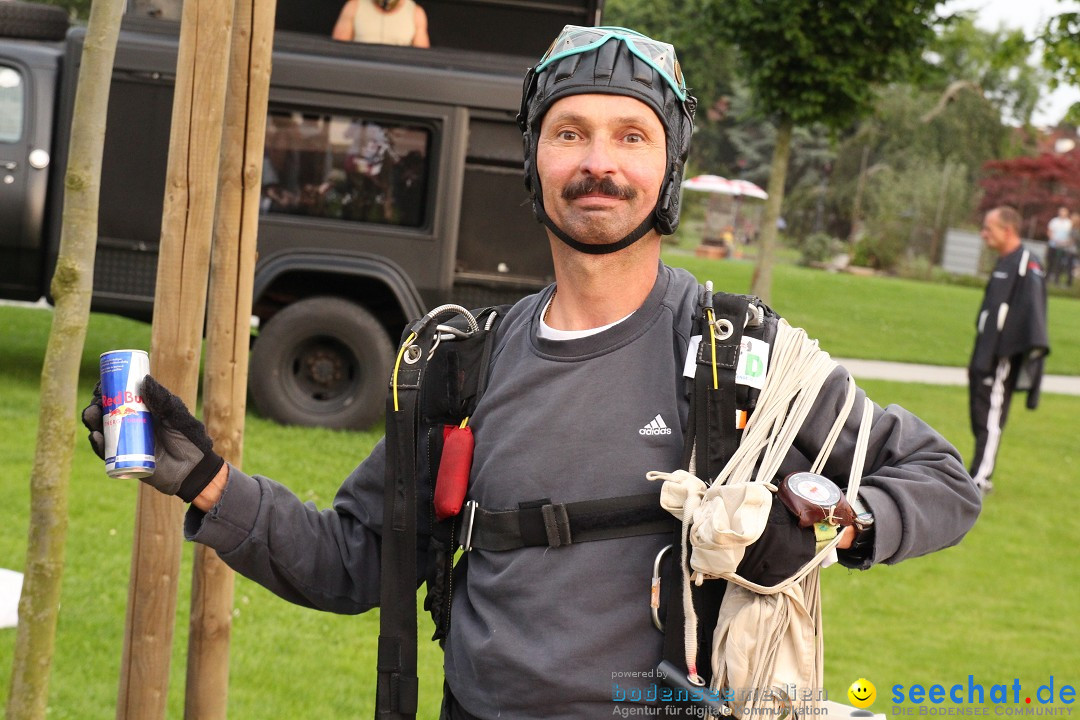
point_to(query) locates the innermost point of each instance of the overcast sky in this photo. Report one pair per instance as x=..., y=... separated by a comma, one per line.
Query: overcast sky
x=1031, y=17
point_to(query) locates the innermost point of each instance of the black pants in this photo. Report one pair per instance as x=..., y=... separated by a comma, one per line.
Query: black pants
x=1053, y=259
x=1066, y=263
x=989, y=396
x=1059, y=265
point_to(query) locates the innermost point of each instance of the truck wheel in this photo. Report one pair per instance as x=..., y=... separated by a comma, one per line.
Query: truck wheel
x=322, y=361
x=32, y=21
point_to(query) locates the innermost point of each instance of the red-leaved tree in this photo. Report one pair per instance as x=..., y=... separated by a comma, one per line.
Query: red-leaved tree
x=1035, y=185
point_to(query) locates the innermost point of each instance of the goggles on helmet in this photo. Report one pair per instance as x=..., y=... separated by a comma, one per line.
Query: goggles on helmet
x=660, y=56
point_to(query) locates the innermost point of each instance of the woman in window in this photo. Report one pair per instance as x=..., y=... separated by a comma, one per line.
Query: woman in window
x=389, y=22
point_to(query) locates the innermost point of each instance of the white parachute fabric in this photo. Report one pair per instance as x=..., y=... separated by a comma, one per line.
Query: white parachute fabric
x=767, y=641
x=767, y=646
x=721, y=525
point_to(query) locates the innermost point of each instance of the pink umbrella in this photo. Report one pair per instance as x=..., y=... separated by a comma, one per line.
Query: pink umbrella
x=723, y=186
x=719, y=187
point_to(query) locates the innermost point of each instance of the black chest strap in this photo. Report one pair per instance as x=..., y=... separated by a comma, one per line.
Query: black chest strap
x=542, y=523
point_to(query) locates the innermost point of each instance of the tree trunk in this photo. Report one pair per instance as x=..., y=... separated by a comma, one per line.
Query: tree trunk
x=856, y=206
x=176, y=341
x=761, y=284
x=940, y=222
x=228, y=335
x=72, y=285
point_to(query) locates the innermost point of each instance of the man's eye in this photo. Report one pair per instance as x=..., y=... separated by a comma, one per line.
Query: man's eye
x=634, y=138
x=568, y=135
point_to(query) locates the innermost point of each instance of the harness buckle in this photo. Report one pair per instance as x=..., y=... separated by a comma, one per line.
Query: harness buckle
x=470, y=518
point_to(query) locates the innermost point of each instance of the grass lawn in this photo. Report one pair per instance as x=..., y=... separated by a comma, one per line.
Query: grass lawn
x=998, y=607
x=884, y=318
x=1001, y=605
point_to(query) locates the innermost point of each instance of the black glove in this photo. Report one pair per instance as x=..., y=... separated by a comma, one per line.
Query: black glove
x=781, y=550
x=93, y=418
x=183, y=452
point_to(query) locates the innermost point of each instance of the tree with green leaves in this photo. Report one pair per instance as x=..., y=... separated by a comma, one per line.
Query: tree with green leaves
x=993, y=63
x=808, y=63
x=709, y=68
x=1061, y=55
x=901, y=178
x=907, y=152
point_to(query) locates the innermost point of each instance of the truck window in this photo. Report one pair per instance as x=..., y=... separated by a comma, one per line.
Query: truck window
x=346, y=168
x=12, y=104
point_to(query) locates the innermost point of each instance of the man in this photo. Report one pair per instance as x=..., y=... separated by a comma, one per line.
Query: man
x=584, y=396
x=1058, y=234
x=1010, y=340
x=1068, y=262
x=386, y=22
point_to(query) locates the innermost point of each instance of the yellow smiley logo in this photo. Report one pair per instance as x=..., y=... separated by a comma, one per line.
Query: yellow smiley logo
x=862, y=693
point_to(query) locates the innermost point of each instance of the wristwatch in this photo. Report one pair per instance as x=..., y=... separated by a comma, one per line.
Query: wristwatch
x=864, y=519
x=861, y=551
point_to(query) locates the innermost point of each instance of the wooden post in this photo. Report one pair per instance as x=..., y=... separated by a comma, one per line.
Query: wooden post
x=176, y=340
x=228, y=335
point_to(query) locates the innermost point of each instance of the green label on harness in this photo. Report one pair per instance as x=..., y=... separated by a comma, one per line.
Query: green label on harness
x=753, y=363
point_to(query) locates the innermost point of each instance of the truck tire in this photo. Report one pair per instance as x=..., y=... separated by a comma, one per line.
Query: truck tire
x=32, y=21
x=323, y=361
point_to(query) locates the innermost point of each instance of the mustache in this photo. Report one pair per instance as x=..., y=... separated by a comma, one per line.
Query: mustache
x=605, y=186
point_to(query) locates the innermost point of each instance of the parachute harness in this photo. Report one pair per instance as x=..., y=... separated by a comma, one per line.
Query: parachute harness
x=797, y=372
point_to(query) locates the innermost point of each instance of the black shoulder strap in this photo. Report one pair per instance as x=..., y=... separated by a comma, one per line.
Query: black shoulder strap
x=712, y=436
x=713, y=398
x=396, y=692
x=409, y=411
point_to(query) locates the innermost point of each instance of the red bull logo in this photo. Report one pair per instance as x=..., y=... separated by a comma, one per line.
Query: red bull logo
x=123, y=411
x=120, y=399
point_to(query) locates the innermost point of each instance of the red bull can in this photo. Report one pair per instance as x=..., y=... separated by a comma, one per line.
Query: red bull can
x=129, y=435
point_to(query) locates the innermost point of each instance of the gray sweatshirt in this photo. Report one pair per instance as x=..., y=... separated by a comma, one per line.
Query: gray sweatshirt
x=562, y=632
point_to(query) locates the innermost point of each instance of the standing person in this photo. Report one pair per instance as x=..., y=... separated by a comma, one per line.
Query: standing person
x=1073, y=249
x=1058, y=235
x=387, y=22
x=585, y=394
x=1010, y=341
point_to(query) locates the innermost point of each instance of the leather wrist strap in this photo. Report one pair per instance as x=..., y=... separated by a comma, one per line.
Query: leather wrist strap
x=200, y=476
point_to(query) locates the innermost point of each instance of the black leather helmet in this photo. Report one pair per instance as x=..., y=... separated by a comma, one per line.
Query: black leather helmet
x=614, y=61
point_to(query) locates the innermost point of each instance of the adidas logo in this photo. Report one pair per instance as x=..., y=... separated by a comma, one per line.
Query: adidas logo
x=656, y=426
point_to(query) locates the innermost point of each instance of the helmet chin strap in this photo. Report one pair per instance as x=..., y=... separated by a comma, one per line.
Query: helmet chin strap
x=605, y=249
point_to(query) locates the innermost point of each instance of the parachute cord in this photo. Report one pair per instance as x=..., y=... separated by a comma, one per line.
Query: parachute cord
x=712, y=340
x=690, y=629
x=397, y=364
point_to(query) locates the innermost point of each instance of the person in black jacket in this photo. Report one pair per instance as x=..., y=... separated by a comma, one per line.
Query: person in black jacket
x=1010, y=342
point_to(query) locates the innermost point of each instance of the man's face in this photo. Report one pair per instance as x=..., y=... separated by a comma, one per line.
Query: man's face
x=993, y=232
x=601, y=162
